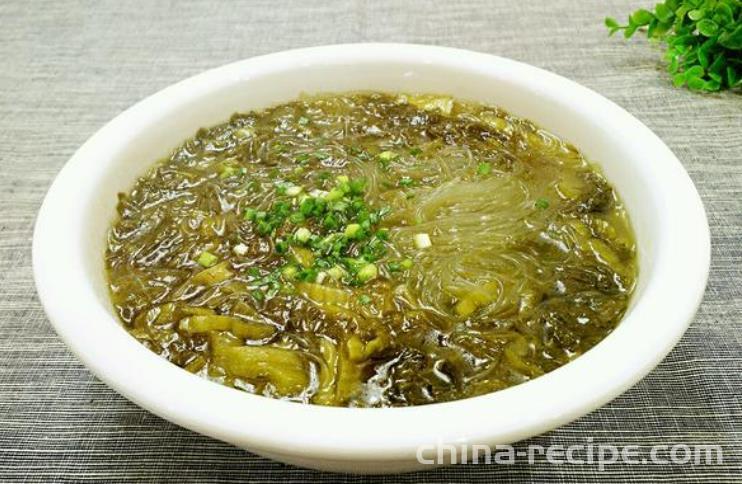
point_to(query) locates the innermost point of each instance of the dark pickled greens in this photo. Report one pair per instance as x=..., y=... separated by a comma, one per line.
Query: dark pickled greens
x=370, y=250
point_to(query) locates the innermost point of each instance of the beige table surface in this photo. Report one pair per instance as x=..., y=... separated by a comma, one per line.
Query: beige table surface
x=68, y=67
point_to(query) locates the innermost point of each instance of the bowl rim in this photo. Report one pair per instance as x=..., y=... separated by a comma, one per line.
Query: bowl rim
x=287, y=428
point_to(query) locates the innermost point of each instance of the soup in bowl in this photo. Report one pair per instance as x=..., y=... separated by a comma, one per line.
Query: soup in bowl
x=371, y=250
x=401, y=246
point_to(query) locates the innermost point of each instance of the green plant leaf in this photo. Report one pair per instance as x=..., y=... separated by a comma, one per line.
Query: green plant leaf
x=717, y=66
x=696, y=14
x=725, y=13
x=611, y=23
x=695, y=71
x=731, y=76
x=681, y=12
x=678, y=79
x=732, y=40
x=641, y=17
x=661, y=30
x=629, y=30
x=703, y=58
x=703, y=40
x=673, y=67
x=695, y=83
x=707, y=27
x=712, y=85
x=663, y=12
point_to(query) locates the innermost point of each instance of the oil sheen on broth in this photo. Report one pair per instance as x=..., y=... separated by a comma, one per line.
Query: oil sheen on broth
x=370, y=249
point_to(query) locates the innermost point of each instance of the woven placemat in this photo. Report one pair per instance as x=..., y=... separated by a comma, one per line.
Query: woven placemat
x=68, y=67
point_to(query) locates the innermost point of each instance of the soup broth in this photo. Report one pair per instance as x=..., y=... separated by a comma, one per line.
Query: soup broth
x=371, y=249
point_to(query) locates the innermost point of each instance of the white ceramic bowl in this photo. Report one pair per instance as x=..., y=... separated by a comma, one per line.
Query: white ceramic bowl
x=665, y=209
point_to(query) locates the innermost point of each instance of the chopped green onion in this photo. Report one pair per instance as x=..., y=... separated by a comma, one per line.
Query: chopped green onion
x=357, y=186
x=387, y=156
x=318, y=193
x=484, y=168
x=422, y=241
x=306, y=206
x=253, y=272
x=289, y=272
x=336, y=272
x=308, y=274
x=355, y=264
x=342, y=179
x=542, y=203
x=281, y=246
x=364, y=299
x=330, y=222
x=264, y=227
x=344, y=187
x=406, y=181
x=207, y=259
x=227, y=172
x=302, y=234
x=352, y=230
x=406, y=264
x=297, y=217
x=367, y=272
x=281, y=209
x=339, y=206
x=335, y=194
x=293, y=190
x=250, y=214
